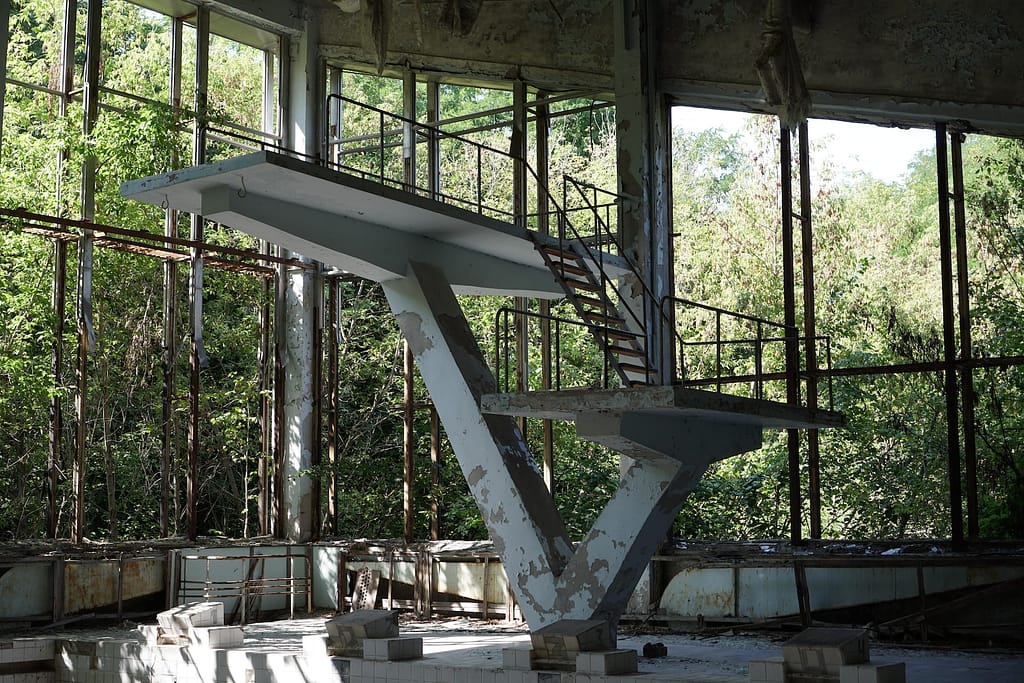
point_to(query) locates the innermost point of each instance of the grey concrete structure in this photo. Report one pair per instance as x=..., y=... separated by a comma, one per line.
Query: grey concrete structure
x=909, y=63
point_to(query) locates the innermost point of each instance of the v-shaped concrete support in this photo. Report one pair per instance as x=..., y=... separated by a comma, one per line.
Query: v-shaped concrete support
x=552, y=579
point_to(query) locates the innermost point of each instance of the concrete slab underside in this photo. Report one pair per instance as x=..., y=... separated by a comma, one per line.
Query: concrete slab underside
x=357, y=225
x=274, y=650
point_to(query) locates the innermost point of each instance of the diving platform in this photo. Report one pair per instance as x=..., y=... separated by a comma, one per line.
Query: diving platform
x=355, y=224
x=587, y=403
x=424, y=252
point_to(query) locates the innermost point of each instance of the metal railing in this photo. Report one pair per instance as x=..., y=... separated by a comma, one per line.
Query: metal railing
x=580, y=374
x=252, y=585
x=733, y=350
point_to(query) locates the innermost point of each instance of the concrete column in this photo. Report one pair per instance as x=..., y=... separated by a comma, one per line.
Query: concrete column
x=552, y=580
x=299, y=509
x=642, y=136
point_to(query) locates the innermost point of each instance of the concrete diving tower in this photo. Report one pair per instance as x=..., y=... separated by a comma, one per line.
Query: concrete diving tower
x=423, y=253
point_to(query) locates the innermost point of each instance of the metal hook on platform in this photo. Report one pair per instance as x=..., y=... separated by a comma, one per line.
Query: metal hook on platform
x=165, y=203
x=242, y=192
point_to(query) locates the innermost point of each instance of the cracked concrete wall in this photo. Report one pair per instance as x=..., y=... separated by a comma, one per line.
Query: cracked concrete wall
x=910, y=62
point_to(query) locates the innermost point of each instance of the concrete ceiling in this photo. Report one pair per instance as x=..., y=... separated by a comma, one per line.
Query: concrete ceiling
x=900, y=62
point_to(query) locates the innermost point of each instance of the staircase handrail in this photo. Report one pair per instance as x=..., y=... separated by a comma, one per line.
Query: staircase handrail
x=790, y=333
x=501, y=352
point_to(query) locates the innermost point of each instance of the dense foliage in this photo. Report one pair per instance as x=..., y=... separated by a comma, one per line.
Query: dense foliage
x=876, y=270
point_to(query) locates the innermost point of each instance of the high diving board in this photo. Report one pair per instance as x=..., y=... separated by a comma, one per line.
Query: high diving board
x=357, y=225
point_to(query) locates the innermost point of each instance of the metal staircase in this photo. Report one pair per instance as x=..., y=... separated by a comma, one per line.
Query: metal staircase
x=617, y=327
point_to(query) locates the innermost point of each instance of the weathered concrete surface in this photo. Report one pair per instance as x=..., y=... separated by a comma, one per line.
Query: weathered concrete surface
x=353, y=224
x=571, y=404
x=551, y=580
x=909, y=62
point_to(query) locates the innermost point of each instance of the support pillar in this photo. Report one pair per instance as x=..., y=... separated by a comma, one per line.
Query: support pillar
x=949, y=342
x=966, y=347
x=300, y=505
x=55, y=453
x=810, y=330
x=543, y=124
x=552, y=579
x=197, y=354
x=644, y=170
x=86, y=334
x=789, y=318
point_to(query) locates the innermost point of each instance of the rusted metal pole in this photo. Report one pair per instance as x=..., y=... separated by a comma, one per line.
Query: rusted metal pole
x=966, y=347
x=278, y=509
x=519, y=212
x=433, y=140
x=195, y=293
x=316, y=444
x=170, y=310
x=58, y=299
x=810, y=329
x=333, y=332
x=90, y=106
x=408, y=412
x=542, y=122
x=408, y=445
x=435, y=474
x=789, y=317
x=949, y=341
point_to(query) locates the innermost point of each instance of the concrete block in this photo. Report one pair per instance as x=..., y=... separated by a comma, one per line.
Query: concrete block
x=873, y=673
x=822, y=651
x=178, y=620
x=314, y=647
x=392, y=649
x=556, y=645
x=515, y=658
x=347, y=632
x=607, y=662
x=217, y=637
x=768, y=670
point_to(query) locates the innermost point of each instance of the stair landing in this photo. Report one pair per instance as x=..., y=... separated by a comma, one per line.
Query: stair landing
x=354, y=224
x=570, y=404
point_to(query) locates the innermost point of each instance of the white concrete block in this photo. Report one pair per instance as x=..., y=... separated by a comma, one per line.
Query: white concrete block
x=392, y=649
x=873, y=673
x=768, y=670
x=607, y=662
x=314, y=646
x=515, y=658
x=217, y=637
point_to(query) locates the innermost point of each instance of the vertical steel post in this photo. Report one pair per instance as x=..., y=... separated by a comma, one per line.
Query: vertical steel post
x=195, y=288
x=810, y=329
x=170, y=307
x=333, y=331
x=542, y=120
x=266, y=356
x=336, y=82
x=433, y=140
x=408, y=445
x=90, y=107
x=789, y=317
x=58, y=297
x=519, y=151
x=966, y=346
x=435, y=474
x=949, y=341
x=408, y=397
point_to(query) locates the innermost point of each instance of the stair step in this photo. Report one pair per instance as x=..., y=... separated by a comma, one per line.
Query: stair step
x=560, y=252
x=581, y=284
x=592, y=301
x=627, y=351
x=604, y=318
x=563, y=267
x=618, y=335
x=633, y=367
